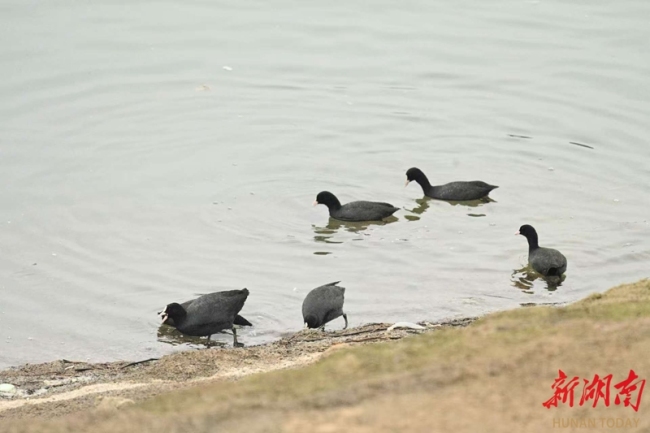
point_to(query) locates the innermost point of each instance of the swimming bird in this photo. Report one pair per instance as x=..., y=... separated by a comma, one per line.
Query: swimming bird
x=546, y=261
x=208, y=314
x=356, y=210
x=324, y=304
x=453, y=191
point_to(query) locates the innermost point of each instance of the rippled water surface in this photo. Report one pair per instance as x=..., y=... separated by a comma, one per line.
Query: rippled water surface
x=151, y=152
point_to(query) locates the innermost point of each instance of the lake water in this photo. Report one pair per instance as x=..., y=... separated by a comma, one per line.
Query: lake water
x=151, y=152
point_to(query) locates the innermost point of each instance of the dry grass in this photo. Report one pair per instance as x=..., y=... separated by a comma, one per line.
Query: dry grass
x=490, y=376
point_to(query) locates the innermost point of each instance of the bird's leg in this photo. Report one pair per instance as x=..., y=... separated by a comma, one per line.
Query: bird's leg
x=322, y=328
x=234, y=335
x=207, y=343
x=345, y=317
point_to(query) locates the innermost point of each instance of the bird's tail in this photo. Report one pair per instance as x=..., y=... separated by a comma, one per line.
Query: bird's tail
x=239, y=320
x=553, y=272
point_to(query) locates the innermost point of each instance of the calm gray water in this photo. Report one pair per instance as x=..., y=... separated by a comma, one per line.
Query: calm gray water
x=151, y=152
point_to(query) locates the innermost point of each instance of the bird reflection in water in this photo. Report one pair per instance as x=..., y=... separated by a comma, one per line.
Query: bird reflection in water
x=334, y=226
x=424, y=203
x=471, y=203
x=524, y=279
x=169, y=335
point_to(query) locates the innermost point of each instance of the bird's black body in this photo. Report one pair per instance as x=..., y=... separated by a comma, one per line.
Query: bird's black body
x=357, y=210
x=208, y=314
x=453, y=191
x=324, y=304
x=239, y=320
x=545, y=261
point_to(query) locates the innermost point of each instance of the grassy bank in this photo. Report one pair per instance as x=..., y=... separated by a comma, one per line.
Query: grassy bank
x=493, y=375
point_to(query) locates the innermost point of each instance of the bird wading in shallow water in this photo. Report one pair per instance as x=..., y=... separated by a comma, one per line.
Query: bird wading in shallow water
x=545, y=261
x=239, y=320
x=208, y=314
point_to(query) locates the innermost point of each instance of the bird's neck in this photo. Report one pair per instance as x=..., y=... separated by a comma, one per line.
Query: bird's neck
x=180, y=318
x=532, y=242
x=423, y=181
x=333, y=204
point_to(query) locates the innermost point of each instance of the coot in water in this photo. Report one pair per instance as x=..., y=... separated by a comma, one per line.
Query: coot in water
x=453, y=191
x=207, y=314
x=356, y=210
x=546, y=261
x=239, y=320
x=324, y=304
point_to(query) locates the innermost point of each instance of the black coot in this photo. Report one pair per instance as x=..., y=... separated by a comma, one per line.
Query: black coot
x=356, y=210
x=239, y=320
x=324, y=304
x=546, y=261
x=208, y=314
x=453, y=191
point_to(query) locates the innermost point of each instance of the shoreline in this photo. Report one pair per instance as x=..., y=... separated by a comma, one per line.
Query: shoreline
x=498, y=369
x=41, y=388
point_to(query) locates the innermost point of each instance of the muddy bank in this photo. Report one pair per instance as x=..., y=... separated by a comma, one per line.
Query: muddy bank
x=492, y=375
x=64, y=386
